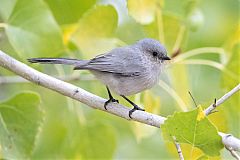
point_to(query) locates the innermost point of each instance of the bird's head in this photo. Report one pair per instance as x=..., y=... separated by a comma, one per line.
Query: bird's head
x=154, y=49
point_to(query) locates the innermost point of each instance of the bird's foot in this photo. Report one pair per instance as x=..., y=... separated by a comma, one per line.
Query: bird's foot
x=111, y=100
x=134, y=109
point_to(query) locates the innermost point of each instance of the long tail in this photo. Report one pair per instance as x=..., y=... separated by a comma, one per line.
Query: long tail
x=67, y=61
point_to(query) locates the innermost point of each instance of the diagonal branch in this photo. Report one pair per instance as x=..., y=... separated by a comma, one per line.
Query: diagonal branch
x=233, y=153
x=89, y=99
x=227, y=138
x=71, y=77
x=210, y=109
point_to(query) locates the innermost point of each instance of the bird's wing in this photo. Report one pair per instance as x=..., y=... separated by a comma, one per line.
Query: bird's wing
x=118, y=61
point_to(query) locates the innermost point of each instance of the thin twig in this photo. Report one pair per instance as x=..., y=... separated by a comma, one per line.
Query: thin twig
x=97, y=102
x=233, y=153
x=179, y=39
x=173, y=93
x=192, y=98
x=179, y=150
x=221, y=100
x=176, y=53
x=194, y=52
x=214, y=106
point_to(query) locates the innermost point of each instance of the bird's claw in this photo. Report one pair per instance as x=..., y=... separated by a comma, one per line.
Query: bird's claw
x=133, y=110
x=109, y=101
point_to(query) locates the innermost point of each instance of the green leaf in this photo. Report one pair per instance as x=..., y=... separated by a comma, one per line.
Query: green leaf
x=193, y=128
x=67, y=12
x=95, y=30
x=20, y=119
x=97, y=141
x=143, y=11
x=31, y=28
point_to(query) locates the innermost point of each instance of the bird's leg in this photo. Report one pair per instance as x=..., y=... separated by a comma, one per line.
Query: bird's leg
x=111, y=99
x=135, y=107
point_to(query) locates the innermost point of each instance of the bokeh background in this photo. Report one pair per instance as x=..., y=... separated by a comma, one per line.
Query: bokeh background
x=202, y=37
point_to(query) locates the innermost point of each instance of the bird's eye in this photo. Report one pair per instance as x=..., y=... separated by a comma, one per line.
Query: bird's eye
x=155, y=54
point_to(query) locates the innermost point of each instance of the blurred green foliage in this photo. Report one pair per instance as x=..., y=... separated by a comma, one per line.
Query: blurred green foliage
x=205, y=34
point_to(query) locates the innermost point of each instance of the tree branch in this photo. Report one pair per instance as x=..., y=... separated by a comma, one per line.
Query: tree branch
x=72, y=77
x=211, y=108
x=92, y=100
x=233, y=153
x=221, y=100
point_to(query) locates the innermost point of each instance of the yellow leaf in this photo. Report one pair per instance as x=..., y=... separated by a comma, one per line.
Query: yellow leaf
x=68, y=30
x=201, y=114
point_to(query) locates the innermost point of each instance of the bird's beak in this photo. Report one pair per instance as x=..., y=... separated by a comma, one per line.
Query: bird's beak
x=166, y=58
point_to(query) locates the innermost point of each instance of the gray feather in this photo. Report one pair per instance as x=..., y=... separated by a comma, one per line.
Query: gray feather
x=67, y=61
x=118, y=61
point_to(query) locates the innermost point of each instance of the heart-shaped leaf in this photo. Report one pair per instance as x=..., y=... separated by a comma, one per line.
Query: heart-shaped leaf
x=193, y=128
x=20, y=119
x=31, y=28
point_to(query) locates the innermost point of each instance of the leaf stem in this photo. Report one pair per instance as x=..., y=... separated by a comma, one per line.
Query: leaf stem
x=198, y=51
x=203, y=62
x=160, y=25
x=175, y=96
x=179, y=38
x=214, y=64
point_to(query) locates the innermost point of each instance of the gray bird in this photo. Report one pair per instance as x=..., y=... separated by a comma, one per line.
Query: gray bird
x=125, y=70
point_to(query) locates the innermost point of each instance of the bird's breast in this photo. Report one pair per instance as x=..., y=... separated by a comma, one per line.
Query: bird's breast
x=129, y=85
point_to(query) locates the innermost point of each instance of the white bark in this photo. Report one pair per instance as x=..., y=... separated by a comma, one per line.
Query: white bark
x=178, y=147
